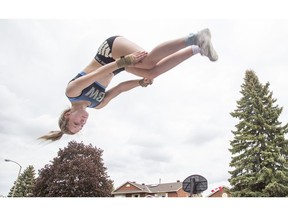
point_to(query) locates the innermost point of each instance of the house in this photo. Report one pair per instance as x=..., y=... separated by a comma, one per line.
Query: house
x=133, y=189
x=221, y=191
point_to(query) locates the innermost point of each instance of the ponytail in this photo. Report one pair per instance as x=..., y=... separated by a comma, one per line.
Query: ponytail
x=56, y=135
x=52, y=136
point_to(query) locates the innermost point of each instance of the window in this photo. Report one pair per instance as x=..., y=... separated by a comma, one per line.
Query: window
x=161, y=195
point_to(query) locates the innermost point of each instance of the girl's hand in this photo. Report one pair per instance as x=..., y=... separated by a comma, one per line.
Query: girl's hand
x=145, y=82
x=131, y=59
x=136, y=56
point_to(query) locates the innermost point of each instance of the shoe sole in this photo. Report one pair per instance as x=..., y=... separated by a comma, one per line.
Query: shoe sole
x=212, y=54
x=206, y=38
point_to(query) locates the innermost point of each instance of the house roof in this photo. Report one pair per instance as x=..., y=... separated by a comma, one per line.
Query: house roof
x=217, y=189
x=167, y=187
x=152, y=188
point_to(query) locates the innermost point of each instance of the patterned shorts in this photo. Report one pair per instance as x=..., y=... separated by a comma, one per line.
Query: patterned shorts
x=104, y=53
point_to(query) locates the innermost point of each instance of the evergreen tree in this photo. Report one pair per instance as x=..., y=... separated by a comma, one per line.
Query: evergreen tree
x=25, y=184
x=259, y=148
x=77, y=171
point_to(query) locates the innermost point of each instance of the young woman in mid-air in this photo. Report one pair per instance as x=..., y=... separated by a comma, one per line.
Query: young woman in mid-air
x=88, y=88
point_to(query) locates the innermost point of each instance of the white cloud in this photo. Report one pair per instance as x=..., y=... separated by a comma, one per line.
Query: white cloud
x=177, y=127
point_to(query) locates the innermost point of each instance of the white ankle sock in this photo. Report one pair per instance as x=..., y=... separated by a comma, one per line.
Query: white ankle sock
x=196, y=50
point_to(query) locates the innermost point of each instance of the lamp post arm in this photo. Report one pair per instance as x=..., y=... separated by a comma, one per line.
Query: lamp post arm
x=7, y=160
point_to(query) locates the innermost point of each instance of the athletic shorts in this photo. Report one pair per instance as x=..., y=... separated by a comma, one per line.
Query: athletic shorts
x=104, y=53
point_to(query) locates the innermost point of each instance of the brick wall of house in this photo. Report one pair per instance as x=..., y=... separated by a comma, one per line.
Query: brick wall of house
x=172, y=194
x=182, y=193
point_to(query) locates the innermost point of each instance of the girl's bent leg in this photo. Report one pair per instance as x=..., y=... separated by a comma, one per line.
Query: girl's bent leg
x=123, y=46
x=162, y=51
x=163, y=65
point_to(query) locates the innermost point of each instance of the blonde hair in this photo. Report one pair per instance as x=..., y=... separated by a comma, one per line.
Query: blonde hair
x=56, y=135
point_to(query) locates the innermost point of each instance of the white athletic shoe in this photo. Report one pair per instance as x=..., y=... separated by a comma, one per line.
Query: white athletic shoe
x=203, y=40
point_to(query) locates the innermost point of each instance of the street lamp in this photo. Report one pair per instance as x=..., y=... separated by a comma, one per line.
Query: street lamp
x=7, y=160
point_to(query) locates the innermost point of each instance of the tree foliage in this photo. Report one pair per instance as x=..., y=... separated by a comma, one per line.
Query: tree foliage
x=77, y=171
x=259, y=148
x=25, y=184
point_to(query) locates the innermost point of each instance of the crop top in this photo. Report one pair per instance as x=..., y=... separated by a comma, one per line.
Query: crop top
x=94, y=93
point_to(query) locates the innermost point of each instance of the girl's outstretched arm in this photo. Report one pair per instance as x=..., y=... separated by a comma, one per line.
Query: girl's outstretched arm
x=122, y=87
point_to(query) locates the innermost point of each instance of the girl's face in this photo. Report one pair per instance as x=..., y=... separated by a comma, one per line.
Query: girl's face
x=76, y=120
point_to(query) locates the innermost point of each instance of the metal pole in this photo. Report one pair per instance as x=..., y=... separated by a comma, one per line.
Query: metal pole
x=7, y=160
x=192, y=186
